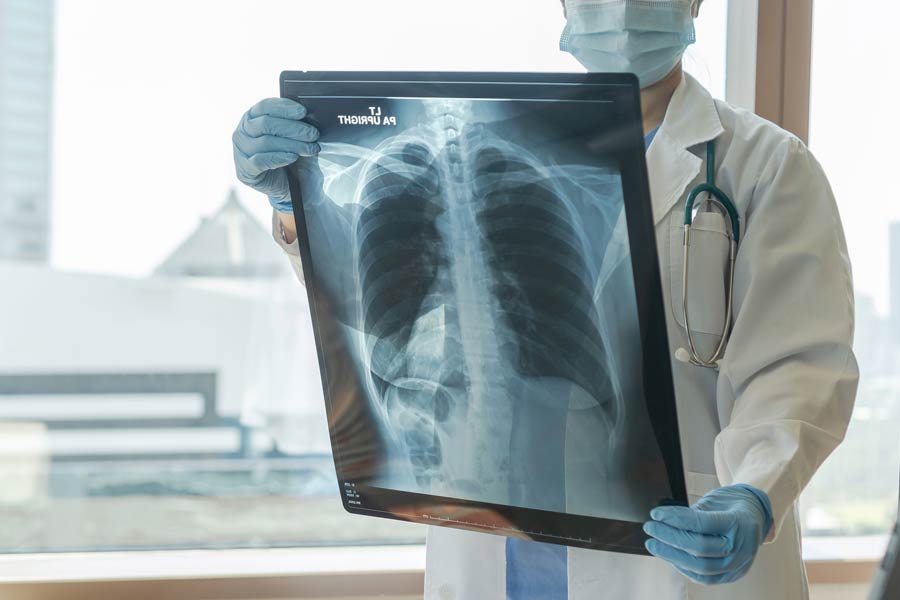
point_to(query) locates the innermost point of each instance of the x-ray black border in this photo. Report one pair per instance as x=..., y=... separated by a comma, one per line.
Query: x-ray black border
x=558, y=528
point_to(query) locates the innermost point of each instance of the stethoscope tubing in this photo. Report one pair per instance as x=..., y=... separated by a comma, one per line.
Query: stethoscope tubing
x=710, y=188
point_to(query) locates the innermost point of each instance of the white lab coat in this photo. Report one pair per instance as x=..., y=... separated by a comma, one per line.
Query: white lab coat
x=783, y=398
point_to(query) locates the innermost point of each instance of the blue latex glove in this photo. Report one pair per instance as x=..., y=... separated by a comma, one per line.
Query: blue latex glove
x=272, y=135
x=716, y=540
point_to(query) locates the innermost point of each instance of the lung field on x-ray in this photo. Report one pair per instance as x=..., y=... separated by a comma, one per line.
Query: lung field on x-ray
x=494, y=319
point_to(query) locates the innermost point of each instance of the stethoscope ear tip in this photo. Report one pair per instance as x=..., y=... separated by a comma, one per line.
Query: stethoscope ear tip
x=682, y=355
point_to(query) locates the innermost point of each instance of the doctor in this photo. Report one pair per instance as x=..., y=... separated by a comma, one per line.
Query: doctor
x=755, y=430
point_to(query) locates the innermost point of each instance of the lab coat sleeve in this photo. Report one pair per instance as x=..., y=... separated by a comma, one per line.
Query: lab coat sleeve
x=789, y=367
x=292, y=250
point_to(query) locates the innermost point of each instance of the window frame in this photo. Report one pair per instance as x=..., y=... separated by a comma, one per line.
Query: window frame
x=393, y=572
x=389, y=573
x=783, y=63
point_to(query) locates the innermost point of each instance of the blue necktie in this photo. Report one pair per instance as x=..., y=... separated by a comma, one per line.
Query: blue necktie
x=536, y=571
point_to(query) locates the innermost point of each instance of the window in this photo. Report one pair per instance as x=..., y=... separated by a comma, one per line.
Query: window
x=852, y=502
x=705, y=60
x=158, y=379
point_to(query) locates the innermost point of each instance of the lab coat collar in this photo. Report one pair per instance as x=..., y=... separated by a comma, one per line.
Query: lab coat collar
x=691, y=119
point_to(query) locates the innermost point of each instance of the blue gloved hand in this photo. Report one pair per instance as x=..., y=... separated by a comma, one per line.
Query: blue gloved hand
x=716, y=540
x=272, y=135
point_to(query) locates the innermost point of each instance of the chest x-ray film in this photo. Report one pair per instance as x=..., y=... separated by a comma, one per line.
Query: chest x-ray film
x=481, y=264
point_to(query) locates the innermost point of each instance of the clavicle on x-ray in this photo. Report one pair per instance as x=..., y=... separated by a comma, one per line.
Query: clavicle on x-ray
x=480, y=277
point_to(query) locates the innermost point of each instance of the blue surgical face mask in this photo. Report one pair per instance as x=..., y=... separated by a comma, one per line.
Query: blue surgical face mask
x=644, y=37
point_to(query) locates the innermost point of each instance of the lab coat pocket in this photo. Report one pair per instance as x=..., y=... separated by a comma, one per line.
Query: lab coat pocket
x=708, y=278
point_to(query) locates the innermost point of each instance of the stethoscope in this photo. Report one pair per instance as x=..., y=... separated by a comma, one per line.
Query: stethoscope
x=692, y=355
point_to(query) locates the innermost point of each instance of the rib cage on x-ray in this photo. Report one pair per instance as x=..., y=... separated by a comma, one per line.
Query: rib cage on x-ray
x=478, y=291
x=539, y=275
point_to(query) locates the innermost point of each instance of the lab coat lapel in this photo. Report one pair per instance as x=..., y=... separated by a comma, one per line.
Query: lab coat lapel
x=691, y=119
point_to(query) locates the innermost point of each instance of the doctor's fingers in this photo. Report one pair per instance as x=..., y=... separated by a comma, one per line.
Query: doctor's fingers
x=251, y=146
x=698, y=544
x=693, y=519
x=695, y=564
x=250, y=169
x=286, y=128
x=283, y=108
